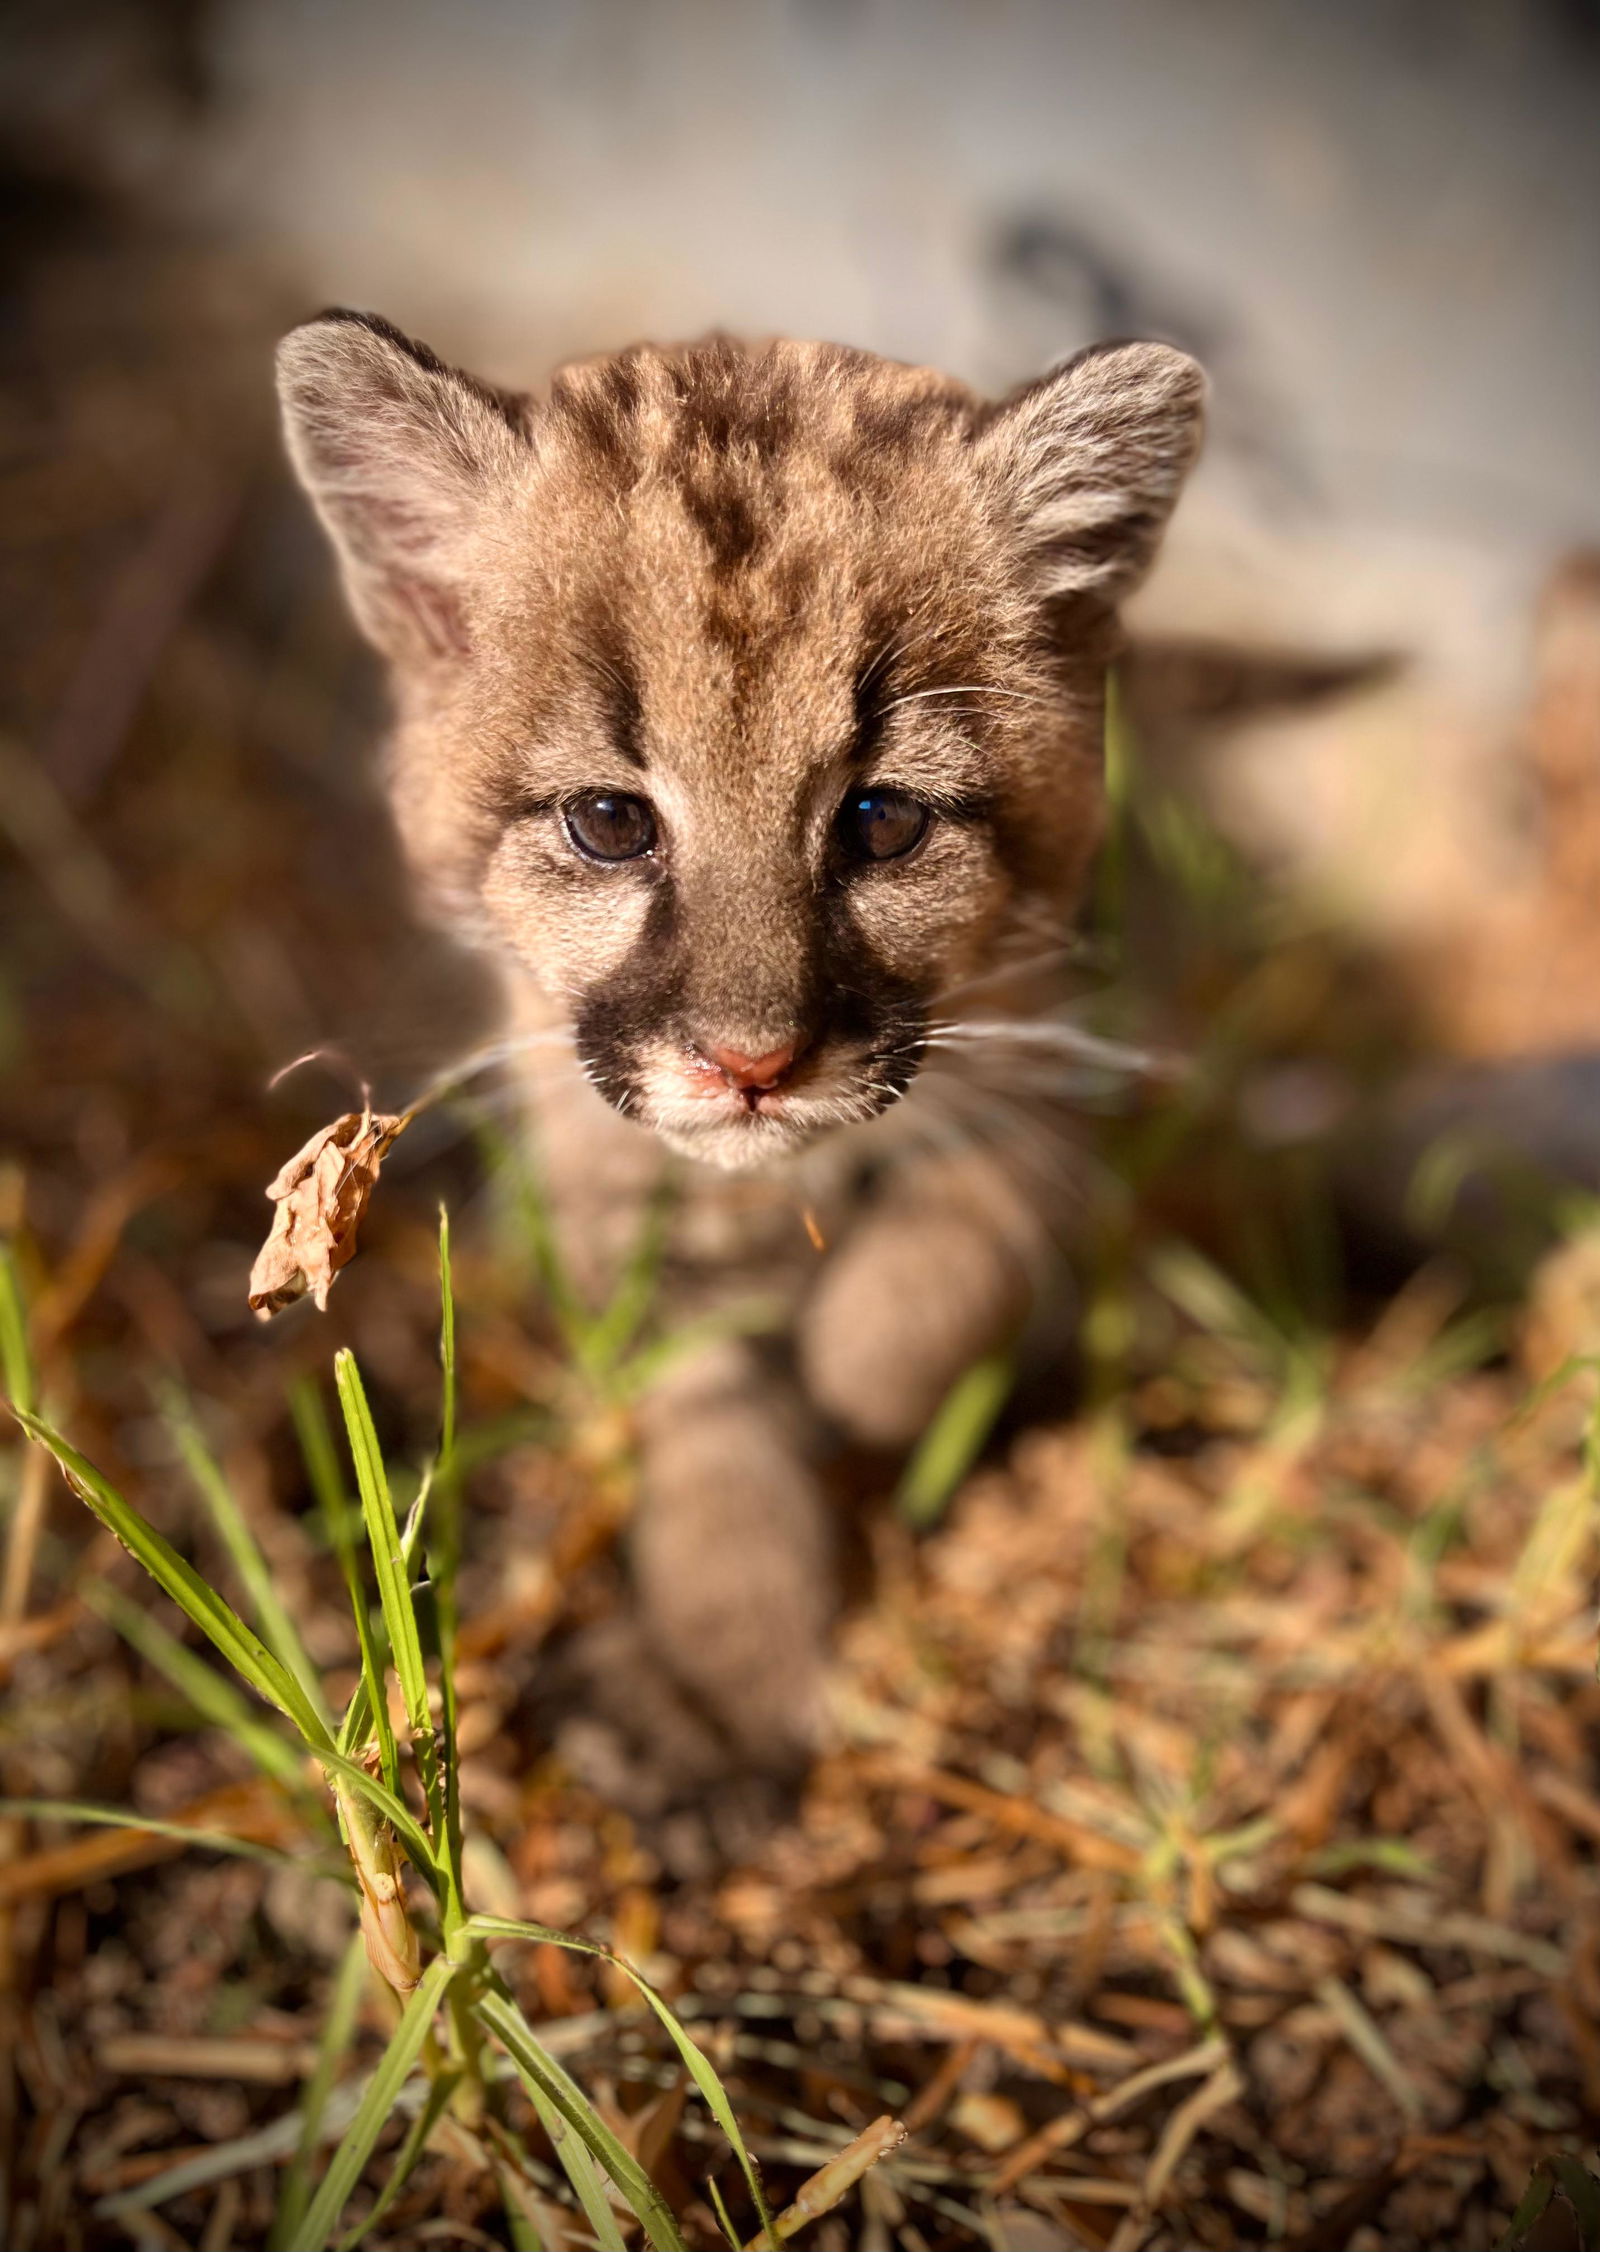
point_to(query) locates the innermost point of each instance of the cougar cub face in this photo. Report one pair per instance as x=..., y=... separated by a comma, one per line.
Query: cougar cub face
x=748, y=698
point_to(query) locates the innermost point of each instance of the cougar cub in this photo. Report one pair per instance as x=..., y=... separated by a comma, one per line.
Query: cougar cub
x=748, y=708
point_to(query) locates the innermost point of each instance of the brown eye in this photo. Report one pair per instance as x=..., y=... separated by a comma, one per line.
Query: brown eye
x=881, y=824
x=607, y=826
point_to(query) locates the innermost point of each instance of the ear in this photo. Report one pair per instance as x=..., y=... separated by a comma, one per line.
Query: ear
x=1089, y=460
x=401, y=456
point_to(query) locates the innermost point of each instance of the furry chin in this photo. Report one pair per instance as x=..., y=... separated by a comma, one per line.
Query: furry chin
x=738, y=1146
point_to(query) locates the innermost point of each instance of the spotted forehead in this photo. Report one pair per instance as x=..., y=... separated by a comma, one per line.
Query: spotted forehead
x=682, y=412
x=780, y=528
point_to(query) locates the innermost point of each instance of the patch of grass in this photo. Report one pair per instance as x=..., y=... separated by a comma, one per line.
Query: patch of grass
x=460, y=2038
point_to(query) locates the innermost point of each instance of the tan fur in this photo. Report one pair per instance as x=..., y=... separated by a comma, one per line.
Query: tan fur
x=746, y=585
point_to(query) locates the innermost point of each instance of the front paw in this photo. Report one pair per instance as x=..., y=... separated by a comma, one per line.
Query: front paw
x=634, y=1736
x=732, y=1563
x=898, y=1318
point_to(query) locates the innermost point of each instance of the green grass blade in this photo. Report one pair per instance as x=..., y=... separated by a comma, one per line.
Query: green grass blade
x=16, y=1358
x=394, y=2069
x=695, y=2061
x=337, y=2030
x=212, y=1694
x=537, y=2068
x=1216, y=1304
x=509, y=1159
x=498, y=1435
x=580, y=2169
x=249, y=1657
x=450, y=1833
x=383, y=1535
x=447, y=1347
x=1110, y=877
x=416, y=2142
x=321, y=1458
x=619, y=1321
x=199, y=1602
x=411, y=1530
x=406, y=1827
x=757, y=1317
x=954, y=1440
x=724, y=2217
x=391, y=1556
x=516, y=2193
x=444, y=1560
x=367, y=1714
x=272, y=1616
x=121, y=1818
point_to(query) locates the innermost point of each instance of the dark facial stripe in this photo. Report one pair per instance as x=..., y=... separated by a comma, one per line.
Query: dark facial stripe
x=611, y=665
x=845, y=997
x=869, y=696
x=643, y=993
x=601, y=415
x=857, y=998
x=894, y=668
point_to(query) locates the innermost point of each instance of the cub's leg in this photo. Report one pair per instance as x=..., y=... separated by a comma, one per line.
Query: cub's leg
x=732, y=1555
x=699, y=1711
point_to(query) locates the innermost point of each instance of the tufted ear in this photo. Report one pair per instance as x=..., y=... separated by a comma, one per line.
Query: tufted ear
x=1089, y=460
x=402, y=456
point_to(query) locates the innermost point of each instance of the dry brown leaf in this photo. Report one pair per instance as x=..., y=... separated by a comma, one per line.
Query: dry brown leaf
x=321, y=1195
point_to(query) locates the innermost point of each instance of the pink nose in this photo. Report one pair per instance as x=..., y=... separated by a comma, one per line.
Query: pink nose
x=752, y=1074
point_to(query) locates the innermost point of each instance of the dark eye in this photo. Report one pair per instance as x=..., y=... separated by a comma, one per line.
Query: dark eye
x=610, y=827
x=881, y=824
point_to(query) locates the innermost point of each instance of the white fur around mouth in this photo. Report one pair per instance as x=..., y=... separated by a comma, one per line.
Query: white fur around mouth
x=740, y=1140
x=719, y=1127
x=738, y=1144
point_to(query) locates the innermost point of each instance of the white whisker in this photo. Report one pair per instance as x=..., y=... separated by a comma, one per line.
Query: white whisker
x=968, y=688
x=1070, y=1039
x=1068, y=949
x=1049, y=1164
